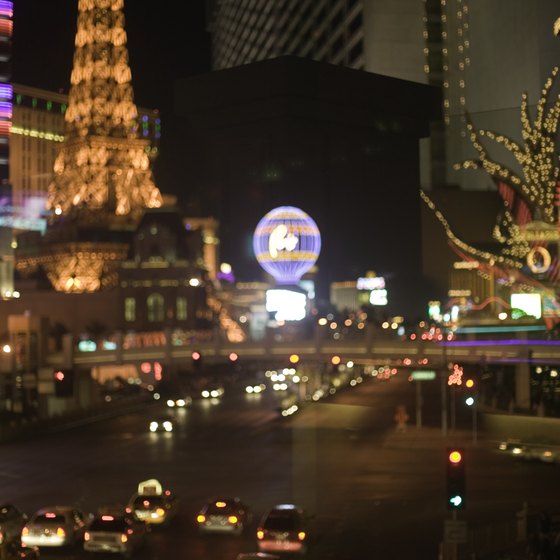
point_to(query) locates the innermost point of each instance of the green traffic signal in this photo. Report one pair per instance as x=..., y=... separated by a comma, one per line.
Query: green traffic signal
x=456, y=501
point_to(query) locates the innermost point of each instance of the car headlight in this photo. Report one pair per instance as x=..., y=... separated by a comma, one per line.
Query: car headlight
x=168, y=426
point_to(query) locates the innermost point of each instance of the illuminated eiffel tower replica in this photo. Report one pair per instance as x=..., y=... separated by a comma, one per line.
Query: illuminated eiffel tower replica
x=102, y=180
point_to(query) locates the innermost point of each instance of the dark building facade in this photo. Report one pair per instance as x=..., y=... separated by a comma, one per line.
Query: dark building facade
x=340, y=144
x=163, y=283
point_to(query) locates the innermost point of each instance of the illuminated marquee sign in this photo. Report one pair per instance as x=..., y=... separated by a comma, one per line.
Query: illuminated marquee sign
x=287, y=243
x=530, y=304
x=286, y=305
x=375, y=283
x=378, y=297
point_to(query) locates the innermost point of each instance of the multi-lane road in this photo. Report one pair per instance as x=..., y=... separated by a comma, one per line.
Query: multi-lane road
x=373, y=492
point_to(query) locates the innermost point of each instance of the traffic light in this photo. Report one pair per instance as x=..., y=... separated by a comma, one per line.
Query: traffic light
x=470, y=396
x=456, y=479
x=63, y=382
x=196, y=358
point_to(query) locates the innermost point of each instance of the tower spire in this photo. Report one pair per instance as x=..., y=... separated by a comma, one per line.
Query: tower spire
x=102, y=181
x=102, y=166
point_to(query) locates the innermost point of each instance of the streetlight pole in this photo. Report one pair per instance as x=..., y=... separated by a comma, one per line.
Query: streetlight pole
x=443, y=377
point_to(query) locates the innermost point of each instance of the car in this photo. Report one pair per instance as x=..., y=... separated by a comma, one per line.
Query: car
x=55, y=526
x=12, y=521
x=179, y=402
x=119, y=532
x=161, y=424
x=256, y=556
x=511, y=446
x=224, y=515
x=255, y=388
x=212, y=392
x=283, y=529
x=152, y=504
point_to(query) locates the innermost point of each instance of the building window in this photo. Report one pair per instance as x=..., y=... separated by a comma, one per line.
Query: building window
x=356, y=51
x=181, y=311
x=129, y=309
x=155, y=307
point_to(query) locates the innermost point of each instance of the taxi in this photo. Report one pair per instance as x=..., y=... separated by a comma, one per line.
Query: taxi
x=153, y=504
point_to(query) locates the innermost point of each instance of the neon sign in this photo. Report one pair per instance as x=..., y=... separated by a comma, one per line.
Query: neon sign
x=286, y=243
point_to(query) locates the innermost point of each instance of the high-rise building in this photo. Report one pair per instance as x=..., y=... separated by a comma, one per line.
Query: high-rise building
x=483, y=55
x=6, y=250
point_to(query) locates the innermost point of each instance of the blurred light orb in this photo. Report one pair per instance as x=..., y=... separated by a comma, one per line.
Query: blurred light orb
x=286, y=243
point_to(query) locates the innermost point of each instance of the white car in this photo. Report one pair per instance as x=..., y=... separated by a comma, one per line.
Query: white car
x=56, y=526
x=162, y=424
x=212, y=393
x=179, y=402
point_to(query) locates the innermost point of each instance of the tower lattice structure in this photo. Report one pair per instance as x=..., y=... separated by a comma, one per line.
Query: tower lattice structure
x=102, y=181
x=103, y=164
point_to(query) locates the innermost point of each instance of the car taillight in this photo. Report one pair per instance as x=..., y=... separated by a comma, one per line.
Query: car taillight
x=24, y=532
x=86, y=536
x=124, y=538
x=232, y=519
x=160, y=511
x=260, y=534
x=301, y=535
x=201, y=518
x=60, y=532
x=1, y=537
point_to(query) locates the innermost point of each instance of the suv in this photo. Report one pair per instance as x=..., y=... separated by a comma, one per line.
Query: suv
x=283, y=529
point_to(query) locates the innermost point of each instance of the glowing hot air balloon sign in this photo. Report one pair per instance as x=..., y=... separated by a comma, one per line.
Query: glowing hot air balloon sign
x=287, y=243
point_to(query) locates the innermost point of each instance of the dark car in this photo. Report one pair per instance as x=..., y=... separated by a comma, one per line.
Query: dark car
x=15, y=551
x=283, y=529
x=12, y=521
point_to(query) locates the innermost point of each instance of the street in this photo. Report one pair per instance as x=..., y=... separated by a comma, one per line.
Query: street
x=371, y=490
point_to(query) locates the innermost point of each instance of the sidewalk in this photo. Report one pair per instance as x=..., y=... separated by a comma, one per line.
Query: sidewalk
x=431, y=438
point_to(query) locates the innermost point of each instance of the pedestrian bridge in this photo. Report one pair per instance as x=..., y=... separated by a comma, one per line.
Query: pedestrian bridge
x=367, y=350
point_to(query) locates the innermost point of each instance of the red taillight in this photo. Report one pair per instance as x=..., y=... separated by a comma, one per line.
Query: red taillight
x=232, y=519
x=260, y=534
x=301, y=535
x=86, y=536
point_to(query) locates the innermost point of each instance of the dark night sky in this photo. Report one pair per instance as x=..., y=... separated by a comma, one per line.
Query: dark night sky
x=163, y=45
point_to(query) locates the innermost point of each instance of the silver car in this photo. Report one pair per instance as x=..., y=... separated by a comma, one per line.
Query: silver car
x=224, y=515
x=56, y=526
x=121, y=534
